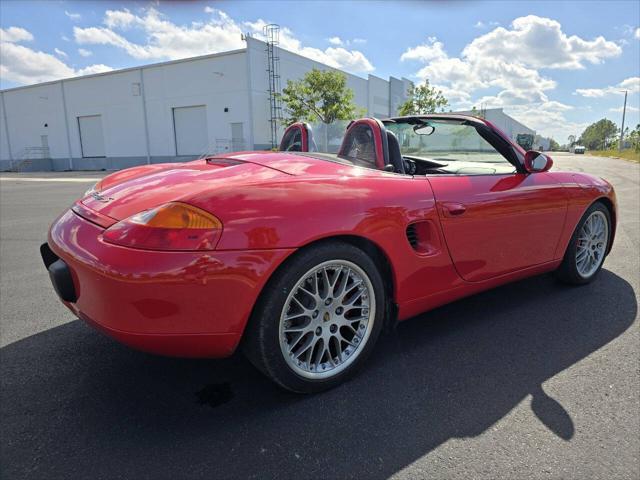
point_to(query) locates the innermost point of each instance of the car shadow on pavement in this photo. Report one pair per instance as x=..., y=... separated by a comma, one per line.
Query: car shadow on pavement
x=75, y=404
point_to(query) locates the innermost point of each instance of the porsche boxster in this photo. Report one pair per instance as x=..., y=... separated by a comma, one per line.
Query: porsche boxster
x=301, y=258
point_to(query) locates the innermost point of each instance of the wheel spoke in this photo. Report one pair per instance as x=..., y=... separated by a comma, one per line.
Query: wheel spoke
x=347, y=300
x=582, y=255
x=318, y=349
x=308, y=293
x=348, y=342
x=340, y=286
x=338, y=346
x=304, y=347
x=325, y=279
x=353, y=330
x=297, y=328
x=300, y=305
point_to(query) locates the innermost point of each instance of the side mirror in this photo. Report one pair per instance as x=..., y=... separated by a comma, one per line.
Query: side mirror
x=537, y=162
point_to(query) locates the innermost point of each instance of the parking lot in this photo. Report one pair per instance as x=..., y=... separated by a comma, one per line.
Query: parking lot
x=531, y=380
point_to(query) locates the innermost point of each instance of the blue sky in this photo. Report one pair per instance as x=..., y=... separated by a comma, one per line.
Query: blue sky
x=556, y=66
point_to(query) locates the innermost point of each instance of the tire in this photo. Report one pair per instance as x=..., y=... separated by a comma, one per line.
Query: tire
x=573, y=269
x=297, y=309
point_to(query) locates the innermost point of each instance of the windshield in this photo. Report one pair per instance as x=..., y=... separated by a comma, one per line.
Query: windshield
x=444, y=140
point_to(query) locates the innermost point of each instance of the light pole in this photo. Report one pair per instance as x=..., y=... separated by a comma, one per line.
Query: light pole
x=624, y=112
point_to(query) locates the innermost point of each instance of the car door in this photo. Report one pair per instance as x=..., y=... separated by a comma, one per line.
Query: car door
x=496, y=223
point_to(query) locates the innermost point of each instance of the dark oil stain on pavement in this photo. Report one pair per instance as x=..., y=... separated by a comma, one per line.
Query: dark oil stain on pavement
x=215, y=394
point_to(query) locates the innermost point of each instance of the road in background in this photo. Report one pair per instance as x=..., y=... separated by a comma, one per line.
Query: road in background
x=530, y=380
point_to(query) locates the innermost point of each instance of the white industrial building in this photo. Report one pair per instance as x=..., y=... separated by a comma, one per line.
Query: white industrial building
x=164, y=112
x=509, y=125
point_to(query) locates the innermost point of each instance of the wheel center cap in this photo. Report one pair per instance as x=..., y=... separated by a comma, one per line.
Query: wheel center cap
x=326, y=317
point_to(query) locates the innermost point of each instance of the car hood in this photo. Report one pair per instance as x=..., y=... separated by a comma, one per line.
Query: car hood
x=130, y=191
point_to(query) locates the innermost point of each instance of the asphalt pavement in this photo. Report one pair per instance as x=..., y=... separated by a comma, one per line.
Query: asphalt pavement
x=531, y=380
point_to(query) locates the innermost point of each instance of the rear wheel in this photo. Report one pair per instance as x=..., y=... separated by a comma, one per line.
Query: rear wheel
x=318, y=319
x=588, y=247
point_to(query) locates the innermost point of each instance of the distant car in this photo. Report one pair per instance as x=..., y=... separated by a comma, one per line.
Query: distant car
x=578, y=149
x=301, y=257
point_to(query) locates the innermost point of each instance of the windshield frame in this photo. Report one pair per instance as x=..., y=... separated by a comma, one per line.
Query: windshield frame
x=495, y=137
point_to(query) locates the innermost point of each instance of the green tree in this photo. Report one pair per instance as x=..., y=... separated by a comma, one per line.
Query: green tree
x=634, y=138
x=423, y=99
x=553, y=145
x=477, y=113
x=321, y=95
x=572, y=140
x=599, y=135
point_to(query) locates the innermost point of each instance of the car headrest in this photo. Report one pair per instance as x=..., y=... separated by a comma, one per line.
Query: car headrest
x=395, y=155
x=298, y=137
x=366, y=142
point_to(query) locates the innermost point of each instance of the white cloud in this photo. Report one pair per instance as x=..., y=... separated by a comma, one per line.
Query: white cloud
x=637, y=33
x=85, y=53
x=209, y=9
x=508, y=62
x=546, y=120
x=346, y=43
x=61, y=53
x=119, y=18
x=15, y=35
x=630, y=109
x=73, y=16
x=482, y=25
x=166, y=40
x=631, y=84
x=431, y=50
x=24, y=65
x=540, y=43
x=92, y=69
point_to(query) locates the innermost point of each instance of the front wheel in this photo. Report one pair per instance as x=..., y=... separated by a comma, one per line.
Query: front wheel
x=318, y=319
x=588, y=247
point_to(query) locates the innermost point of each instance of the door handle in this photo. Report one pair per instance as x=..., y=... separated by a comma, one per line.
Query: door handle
x=453, y=209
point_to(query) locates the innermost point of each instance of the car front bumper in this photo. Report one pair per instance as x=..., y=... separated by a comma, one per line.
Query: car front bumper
x=187, y=304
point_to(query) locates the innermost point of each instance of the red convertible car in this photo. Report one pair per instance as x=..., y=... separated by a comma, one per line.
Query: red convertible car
x=301, y=258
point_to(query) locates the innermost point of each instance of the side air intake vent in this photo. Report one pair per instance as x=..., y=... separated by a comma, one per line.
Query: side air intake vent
x=412, y=236
x=423, y=238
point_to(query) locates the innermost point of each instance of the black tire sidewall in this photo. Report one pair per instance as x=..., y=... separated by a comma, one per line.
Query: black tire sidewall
x=265, y=321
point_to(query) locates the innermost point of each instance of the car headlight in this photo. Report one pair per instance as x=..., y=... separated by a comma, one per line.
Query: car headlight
x=172, y=226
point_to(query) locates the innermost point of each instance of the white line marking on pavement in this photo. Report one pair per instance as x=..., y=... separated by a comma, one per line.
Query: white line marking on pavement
x=45, y=179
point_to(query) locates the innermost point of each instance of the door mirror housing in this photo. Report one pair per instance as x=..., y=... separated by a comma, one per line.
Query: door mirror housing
x=537, y=162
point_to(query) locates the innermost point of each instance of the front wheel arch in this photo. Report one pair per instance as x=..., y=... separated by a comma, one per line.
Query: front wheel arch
x=612, y=215
x=567, y=271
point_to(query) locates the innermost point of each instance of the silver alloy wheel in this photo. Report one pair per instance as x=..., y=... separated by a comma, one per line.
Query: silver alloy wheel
x=592, y=244
x=327, y=319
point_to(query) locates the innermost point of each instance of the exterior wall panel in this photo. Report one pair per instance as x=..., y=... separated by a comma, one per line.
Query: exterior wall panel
x=232, y=86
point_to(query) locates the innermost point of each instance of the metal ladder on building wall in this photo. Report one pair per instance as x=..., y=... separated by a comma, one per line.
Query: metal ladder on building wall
x=272, y=36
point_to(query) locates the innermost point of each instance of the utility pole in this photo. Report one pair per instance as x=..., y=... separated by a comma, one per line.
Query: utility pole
x=624, y=112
